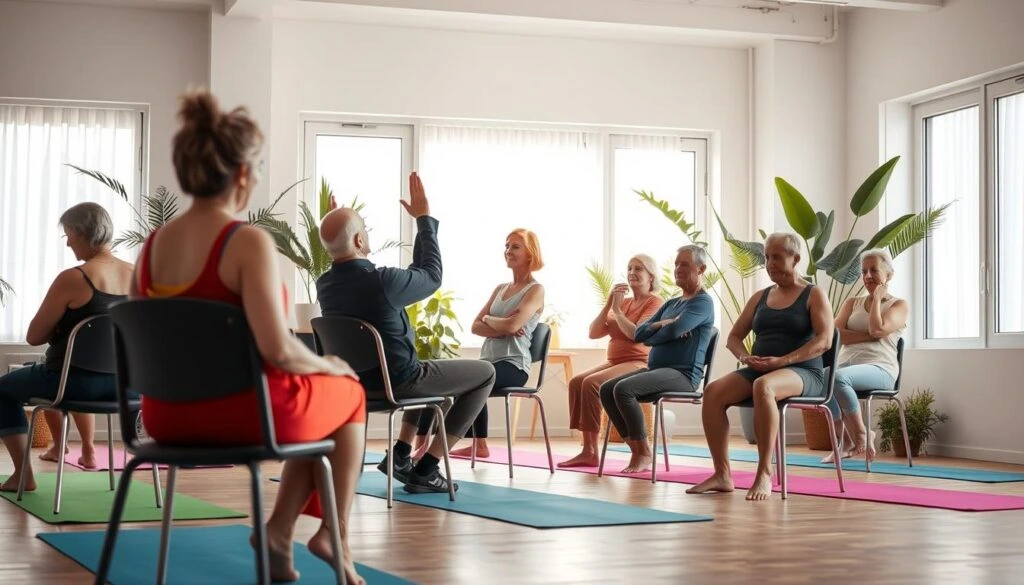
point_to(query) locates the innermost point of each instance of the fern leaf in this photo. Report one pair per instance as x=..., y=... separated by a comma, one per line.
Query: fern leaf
x=918, y=229
x=131, y=239
x=6, y=291
x=600, y=281
x=110, y=182
x=677, y=217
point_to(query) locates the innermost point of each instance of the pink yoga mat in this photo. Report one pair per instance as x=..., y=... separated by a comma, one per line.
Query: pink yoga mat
x=806, y=486
x=102, y=459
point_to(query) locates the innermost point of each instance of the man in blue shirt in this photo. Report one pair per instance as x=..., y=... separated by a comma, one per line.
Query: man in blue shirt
x=355, y=287
x=678, y=335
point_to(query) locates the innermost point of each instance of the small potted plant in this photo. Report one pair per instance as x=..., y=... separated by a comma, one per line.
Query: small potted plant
x=433, y=319
x=554, y=319
x=921, y=421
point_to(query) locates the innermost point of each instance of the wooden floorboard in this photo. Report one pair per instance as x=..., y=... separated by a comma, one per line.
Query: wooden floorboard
x=801, y=540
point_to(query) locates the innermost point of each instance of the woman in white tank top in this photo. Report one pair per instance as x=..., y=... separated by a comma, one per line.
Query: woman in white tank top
x=870, y=327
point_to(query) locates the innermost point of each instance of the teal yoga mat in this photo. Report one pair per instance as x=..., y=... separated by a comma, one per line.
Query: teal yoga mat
x=853, y=464
x=526, y=508
x=208, y=555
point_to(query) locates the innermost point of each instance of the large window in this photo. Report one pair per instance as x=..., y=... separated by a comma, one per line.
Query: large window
x=36, y=187
x=971, y=148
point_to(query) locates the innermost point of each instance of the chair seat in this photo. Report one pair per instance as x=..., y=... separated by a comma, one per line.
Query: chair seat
x=385, y=405
x=668, y=394
x=876, y=392
x=792, y=401
x=154, y=452
x=512, y=390
x=87, y=406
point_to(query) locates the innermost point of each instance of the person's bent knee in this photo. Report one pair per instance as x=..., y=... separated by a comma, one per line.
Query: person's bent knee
x=763, y=390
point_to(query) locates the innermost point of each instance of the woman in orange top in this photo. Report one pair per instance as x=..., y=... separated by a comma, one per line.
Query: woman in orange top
x=205, y=253
x=618, y=319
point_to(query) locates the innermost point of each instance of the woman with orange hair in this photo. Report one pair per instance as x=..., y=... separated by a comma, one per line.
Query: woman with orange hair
x=507, y=322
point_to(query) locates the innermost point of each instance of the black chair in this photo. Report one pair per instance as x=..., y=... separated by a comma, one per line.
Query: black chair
x=809, y=403
x=538, y=353
x=359, y=343
x=658, y=399
x=90, y=347
x=867, y=395
x=183, y=350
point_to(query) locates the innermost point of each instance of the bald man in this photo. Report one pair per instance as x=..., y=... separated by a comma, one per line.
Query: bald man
x=355, y=287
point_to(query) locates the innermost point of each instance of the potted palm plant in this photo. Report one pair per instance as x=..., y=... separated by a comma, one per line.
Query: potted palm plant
x=921, y=421
x=5, y=291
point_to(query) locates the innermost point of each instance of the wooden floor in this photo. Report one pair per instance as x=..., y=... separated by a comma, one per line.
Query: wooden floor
x=800, y=540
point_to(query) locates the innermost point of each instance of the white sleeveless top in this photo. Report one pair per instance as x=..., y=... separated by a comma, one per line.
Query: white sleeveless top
x=880, y=352
x=510, y=348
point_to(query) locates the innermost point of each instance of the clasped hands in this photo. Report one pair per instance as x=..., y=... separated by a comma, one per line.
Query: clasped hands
x=763, y=363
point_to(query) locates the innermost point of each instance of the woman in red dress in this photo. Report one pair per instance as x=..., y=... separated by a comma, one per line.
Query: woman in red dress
x=205, y=253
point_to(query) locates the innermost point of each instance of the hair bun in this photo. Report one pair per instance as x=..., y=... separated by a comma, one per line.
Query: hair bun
x=200, y=110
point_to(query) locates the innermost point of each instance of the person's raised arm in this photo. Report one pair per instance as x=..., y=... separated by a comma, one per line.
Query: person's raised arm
x=261, y=301
x=44, y=323
x=599, y=326
x=531, y=303
x=423, y=277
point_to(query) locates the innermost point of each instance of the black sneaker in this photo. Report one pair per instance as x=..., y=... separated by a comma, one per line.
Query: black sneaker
x=432, y=482
x=402, y=467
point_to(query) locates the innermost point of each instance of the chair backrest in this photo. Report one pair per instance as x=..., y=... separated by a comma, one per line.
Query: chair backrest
x=828, y=361
x=709, y=356
x=899, y=362
x=184, y=350
x=91, y=345
x=355, y=341
x=539, y=345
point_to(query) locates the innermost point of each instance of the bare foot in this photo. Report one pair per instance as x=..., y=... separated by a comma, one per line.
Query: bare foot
x=320, y=545
x=828, y=458
x=51, y=454
x=715, y=483
x=869, y=448
x=280, y=549
x=87, y=460
x=482, y=451
x=582, y=460
x=11, y=485
x=639, y=464
x=762, y=488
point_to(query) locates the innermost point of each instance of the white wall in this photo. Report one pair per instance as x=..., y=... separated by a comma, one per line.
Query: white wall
x=893, y=55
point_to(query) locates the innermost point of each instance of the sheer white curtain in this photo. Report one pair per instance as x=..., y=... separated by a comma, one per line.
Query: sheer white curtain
x=36, y=187
x=1010, y=212
x=953, y=169
x=485, y=182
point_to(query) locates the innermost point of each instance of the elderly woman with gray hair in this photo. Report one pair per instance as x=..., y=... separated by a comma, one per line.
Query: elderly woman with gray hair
x=75, y=295
x=678, y=335
x=618, y=319
x=792, y=320
x=870, y=326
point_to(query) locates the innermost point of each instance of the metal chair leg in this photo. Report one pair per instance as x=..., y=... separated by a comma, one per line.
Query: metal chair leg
x=867, y=423
x=329, y=504
x=110, y=540
x=654, y=464
x=389, y=457
x=158, y=494
x=664, y=440
x=110, y=451
x=443, y=431
x=906, y=437
x=60, y=463
x=604, y=448
x=165, y=527
x=508, y=432
x=837, y=460
x=472, y=454
x=27, y=459
x=259, y=526
x=544, y=426
x=782, y=452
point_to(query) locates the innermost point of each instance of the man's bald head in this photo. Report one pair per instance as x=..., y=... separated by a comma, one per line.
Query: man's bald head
x=343, y=233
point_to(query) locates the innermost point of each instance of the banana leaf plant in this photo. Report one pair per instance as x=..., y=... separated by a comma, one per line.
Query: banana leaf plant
x=5, y=291
x=841, y=264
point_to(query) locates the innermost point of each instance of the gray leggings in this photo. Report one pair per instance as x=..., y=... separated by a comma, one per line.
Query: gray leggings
x=619, y=396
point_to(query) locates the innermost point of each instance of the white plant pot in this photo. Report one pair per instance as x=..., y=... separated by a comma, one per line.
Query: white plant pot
x=304, y=315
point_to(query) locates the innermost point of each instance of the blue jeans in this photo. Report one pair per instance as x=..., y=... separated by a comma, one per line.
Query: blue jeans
x=37, y=381
x=859, y=377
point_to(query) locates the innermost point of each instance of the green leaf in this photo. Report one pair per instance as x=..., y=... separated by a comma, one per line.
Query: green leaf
x=918, y=229
x=677, y=217
x=432, y=305
x=762, y=233
x=839, y=260
x=324, y=198
x=424, y=331
x=130, y=239
x=799, y=213
x=885, y=236
x=6, y=291
x=747, y=257
x=600, y=281
x=821, y=240
x=870, y=192
x=110, y=182
x=710, y=279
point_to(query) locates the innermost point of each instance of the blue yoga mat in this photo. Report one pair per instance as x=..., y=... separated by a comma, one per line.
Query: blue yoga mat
x=884, y=467
x=526, y=508
x=208, y=555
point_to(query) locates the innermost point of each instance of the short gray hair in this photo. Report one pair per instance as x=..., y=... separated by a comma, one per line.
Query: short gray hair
x=342, y=244
x=791, y=242
x=700, y=255
x=883, y=257
x=651, y=267
x=90, y=221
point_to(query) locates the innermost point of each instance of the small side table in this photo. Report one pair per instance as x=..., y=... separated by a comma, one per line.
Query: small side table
x=555, y=356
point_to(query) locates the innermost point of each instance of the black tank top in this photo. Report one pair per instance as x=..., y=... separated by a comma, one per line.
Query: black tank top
x=780, y=331
x=99, y=304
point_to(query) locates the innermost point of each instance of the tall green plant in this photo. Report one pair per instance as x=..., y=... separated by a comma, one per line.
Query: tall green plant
x=841, y=263
x=5, y=291
x=159, y=208
x=433, y=320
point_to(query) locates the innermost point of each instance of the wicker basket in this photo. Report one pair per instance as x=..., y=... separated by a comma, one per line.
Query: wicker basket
x=816, y=430
x=41, y=434
x=614, y=437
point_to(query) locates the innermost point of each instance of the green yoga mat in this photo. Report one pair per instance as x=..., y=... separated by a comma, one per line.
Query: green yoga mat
x=87, y=498
x=206, y=555
x=525, y=508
